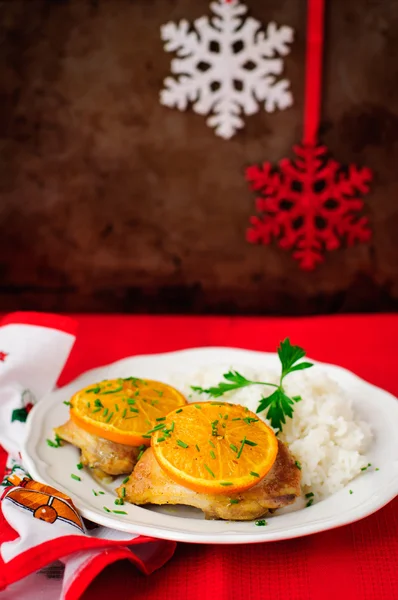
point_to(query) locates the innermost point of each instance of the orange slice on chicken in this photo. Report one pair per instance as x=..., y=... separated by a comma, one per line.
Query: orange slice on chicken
x=215, y=447
x=124, y=410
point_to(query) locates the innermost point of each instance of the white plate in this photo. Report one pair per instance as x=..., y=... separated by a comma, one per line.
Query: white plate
x=372, y=490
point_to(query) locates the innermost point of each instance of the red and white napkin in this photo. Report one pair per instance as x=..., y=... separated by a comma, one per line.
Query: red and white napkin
x=34, y=531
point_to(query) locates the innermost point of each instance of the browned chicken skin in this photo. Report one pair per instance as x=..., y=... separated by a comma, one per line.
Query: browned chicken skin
x=102, y=456
x=149, y=484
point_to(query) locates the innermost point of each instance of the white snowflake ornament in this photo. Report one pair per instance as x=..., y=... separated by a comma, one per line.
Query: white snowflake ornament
x=227, y=66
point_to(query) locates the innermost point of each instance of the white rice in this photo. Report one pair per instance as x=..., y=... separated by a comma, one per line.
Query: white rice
x=323, y=435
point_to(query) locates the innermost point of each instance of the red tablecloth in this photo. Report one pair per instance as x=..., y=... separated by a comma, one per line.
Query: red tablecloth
x=358, y=561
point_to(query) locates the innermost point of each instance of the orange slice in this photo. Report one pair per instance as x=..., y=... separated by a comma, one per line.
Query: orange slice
x=215, y=447
x=124, y=410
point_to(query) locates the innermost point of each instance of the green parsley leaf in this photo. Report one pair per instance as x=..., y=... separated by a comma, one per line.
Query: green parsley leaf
x=235, y=381
x=278, y=404
x=279, y=407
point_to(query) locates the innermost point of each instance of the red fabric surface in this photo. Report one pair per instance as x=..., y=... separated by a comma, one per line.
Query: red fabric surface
x=358, y=561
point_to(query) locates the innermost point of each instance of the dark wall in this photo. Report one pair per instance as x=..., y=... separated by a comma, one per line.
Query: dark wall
x=111, y=202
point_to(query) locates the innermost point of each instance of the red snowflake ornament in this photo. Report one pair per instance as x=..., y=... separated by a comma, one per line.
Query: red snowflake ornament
x=309, y=204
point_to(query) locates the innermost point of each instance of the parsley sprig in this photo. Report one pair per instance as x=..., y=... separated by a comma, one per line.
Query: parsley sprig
x=279, y=404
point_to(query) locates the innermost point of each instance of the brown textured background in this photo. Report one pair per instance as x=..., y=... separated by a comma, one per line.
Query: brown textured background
x=111, y=202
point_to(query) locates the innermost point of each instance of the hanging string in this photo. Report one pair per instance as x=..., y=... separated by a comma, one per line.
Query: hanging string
x=313, y=76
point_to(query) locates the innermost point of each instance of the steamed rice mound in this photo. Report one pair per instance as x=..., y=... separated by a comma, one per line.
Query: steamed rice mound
x=324, y=434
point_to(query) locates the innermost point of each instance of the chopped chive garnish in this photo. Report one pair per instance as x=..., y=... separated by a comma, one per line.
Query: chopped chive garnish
x=197, y=406
x=79, y=466
x=212, y=454
x=261, y=523
x=237, y=419
x=182, y=444
x=220, y=415
x=142, y=447
x=106, y=410
x=197, y=447
x=130, y=401
x=118, y=389
x=94, y=390
x=310, y=501
x=209, y=470
x=161, y=419
x=233, y=501
x=351, y=492
x=106, y=509
x=67, y=403
x=126, y=479
x=226, y=417
x=309, y=495
x=233, y=447
x=141, y=452
x=298, y=465
x=179, y=410
x=217, y=403
x=241, y=447
x=367, y=467
x=88, y=405
x=254, y=474
x=96, y=410
x=56, y=443
x=124, y=413
x=157, y=428
x=250, y=443
x=101, y=492
x=211, y=444
x=119, y=501
x=226, y=483
x=117, y=407
x=95, y=493
x=161, y=439
x=159, y=393
x=223, y=425
x=98, y=402
x=53, y=444
x=249, y=420
x=146, y=435
x=377, y=469
x=110, y=417
x=172, y=426
x=134, y=410
x=119, y=512
x=75, y=477
x=123, y=492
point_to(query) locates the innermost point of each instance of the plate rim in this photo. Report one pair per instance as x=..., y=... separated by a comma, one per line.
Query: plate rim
x=354, y=514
